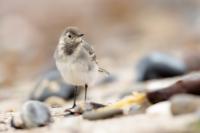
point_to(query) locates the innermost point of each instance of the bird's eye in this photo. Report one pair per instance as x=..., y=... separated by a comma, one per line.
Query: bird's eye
x=69, y=36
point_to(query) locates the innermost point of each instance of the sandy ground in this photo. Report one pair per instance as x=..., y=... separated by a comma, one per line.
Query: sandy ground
x=160, y=119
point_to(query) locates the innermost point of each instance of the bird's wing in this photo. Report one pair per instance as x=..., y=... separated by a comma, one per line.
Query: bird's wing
x=92, y=54
x=90, y=50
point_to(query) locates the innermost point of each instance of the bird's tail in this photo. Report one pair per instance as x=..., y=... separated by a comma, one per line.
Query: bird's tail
x=103, y=71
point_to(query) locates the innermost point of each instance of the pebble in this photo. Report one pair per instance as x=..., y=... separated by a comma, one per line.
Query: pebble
x=55, y=101
x=95, y=115
x=17, y=122
x=88, y=106
x=52, y=85
x=3, y=126
x=84, y=107
x=162, y=108
x=159, y=65
x=184, y=104
x=32, y=114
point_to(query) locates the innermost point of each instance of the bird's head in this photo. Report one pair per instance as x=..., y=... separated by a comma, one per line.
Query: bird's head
x=71, y=35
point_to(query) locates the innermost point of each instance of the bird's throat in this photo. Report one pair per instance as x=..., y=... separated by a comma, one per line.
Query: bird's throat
x=70, y=48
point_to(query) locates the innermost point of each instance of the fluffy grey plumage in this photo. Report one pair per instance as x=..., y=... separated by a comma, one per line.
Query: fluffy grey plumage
x=75, y=58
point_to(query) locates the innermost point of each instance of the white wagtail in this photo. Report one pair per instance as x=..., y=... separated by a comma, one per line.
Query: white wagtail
x=76, y=60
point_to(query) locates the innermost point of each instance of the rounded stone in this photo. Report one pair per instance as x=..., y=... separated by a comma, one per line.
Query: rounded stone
x=96, y=115
x=184, y=103
x=159, y=65
x=52, y=85
x=33, y=114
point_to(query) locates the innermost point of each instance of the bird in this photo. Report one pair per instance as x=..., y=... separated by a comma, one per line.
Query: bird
x=76, y=60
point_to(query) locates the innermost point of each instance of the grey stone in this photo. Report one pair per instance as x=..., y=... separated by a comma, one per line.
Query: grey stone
x=52, y=85
x=184, y=103
x=159, y=65
x=32, y=114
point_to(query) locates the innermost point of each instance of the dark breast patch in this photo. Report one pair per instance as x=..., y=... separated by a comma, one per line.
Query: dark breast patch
x=70, y=48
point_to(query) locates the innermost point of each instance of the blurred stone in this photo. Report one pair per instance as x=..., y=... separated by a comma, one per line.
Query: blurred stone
x=33, y=114
x=17, y=122
x=88, y=106
x=192, y=59
x=52, y=85
x=159, y=65
x=3, y=127
x=83, y=107
x=95, y=115
x=123, y=106
x=184, y=103
x=55, y=101
x=125, y=93
x=187, y=84
x=137, y=108
x=162, y=108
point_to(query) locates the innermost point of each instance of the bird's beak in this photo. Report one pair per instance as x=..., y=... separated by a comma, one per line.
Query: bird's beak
x=79, y=38
x=80, y=35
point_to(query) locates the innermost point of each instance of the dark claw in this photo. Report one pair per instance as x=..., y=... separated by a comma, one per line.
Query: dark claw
x=71, y=112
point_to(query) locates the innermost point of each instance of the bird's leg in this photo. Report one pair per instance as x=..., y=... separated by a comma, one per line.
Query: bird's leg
x=75, y=95
x=86, y=86
x=74, y=104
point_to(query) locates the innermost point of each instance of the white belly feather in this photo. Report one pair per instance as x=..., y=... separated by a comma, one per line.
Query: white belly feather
x=76, y=73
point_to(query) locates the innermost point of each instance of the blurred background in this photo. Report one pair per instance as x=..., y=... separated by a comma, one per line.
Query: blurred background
x=135, y=40
x=120, y=31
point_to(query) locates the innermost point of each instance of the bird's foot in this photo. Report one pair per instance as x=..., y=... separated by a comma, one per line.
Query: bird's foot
x=83, y=107
x=74, y=110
